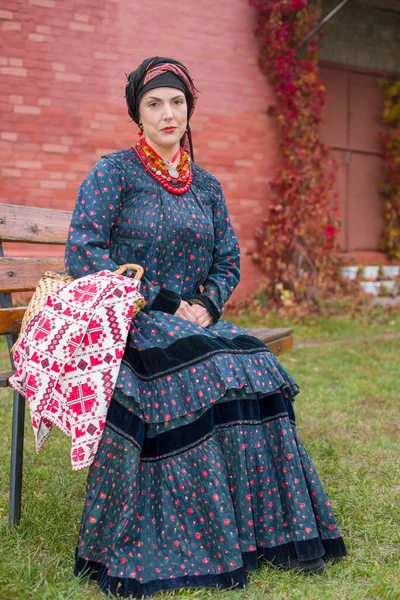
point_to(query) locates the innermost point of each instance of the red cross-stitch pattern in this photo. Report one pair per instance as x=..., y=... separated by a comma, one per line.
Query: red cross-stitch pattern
x=94, y=333
x=42, y=330
x=83, y=293
x=82, y=398
x=68, y=359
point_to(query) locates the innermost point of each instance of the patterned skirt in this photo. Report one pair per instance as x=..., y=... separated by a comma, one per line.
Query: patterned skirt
x=200, y=475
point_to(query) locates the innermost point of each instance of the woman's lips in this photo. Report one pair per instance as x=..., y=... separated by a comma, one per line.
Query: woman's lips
x=168, y=129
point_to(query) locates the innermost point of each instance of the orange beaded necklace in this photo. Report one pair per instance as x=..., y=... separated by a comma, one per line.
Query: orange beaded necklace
x=177, y=179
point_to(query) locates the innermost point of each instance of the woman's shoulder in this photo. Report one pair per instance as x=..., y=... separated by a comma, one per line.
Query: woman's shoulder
x=120, y=159
x=204, y=179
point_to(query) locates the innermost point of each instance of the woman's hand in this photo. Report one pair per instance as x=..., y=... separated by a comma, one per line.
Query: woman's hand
x=196, y=313
x=185, y=311
x=203, y=317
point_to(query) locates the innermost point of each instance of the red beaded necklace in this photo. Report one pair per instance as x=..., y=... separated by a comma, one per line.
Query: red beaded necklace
x=177, y=179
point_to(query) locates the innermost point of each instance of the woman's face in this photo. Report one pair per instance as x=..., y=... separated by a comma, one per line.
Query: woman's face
x=163, y=114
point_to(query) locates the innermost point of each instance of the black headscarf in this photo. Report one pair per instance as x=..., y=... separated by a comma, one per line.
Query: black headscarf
x=161, y=72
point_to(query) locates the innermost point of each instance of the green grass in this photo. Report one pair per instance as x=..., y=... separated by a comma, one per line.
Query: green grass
x=371, y=320
x=348, y=418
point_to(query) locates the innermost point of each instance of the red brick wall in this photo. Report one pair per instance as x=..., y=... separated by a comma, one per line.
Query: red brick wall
x=62, y=66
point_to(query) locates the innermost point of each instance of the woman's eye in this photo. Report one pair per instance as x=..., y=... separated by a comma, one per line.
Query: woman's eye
x=178, y=101
x=153, y=104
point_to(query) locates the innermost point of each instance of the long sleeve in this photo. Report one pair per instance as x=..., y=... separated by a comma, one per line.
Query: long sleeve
x=98, y=203
x=224, y=274
x=88, y=246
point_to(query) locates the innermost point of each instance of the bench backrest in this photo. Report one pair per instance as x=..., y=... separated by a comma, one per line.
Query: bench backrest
x=27, y=225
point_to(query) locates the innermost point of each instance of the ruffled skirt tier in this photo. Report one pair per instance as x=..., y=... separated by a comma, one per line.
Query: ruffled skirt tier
x=192, y=490
x=173, y=368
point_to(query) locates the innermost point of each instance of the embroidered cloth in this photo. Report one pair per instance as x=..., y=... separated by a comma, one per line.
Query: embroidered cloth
x=69, y=357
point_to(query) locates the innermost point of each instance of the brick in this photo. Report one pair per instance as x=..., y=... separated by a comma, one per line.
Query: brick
x=28, y=164
x=44, y=101
x=244, y=163
x=196, y=126
x=67, y=140
x=11, y=26
x=101, y=151
x=248, y=203
x=55, y=148
x=217, y=144
x=11, y=173
x=222, y=176
x=9, y=136
x=106, y=56
x=27, y=110
x=106, y=117
x=6, y=15
x=81, y=17
x=81, y=26
x=53, y=185
x=43, y=29
x=16, y=62
x=16, y=99
x=57, y=163
x=36, y=37
x=236, y=223
x=56, y=112
x=3, y=60
x=102, y=125
x=15, y=71
x=60, y=67
x=44, y=3
x=74, y=77
x=6, y=108
x=27, y=127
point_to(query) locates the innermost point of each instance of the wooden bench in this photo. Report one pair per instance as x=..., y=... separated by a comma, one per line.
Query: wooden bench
x=29, y=225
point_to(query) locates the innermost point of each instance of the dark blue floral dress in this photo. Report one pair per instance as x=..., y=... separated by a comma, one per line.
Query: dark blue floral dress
x=200, y=475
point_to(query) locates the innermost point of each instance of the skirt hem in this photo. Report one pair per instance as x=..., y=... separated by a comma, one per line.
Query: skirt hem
x=124, y=587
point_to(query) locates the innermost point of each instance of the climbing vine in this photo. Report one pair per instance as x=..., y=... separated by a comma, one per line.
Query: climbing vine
x=390, y=188
x=298, y=241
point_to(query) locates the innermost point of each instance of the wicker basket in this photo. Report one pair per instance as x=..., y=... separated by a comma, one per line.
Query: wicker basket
x=51, y=282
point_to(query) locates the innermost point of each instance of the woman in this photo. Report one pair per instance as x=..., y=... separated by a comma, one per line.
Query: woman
x=200, y=475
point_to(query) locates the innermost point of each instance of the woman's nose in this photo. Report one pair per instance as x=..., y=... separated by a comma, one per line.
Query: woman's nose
x=168, y=114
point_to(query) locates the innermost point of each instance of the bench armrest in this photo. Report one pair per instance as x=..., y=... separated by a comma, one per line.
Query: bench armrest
x=4, y=377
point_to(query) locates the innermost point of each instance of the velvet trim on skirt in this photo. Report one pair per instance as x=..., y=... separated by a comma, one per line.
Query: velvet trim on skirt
x=203, y=503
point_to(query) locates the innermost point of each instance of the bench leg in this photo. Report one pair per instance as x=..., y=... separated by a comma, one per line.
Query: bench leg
x=17, y=455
